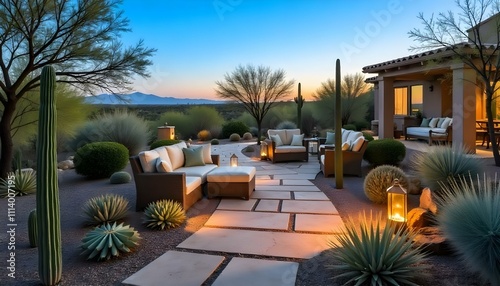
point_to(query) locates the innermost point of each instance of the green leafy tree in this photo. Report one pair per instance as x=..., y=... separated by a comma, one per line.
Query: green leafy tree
x=462, y=35
x=78, y=38
x=257, y=88
x=354, y=106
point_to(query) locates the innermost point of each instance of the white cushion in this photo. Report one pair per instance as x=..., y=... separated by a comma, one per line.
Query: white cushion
x=297, y=140
x=163, y=166
x=280, y=132
x=162, y=151
x=289, y=136
x=353, y=136
x=277, y=140
x=198, y=171
x=345, y=135
x=433, y=122
x=445, y=123
x=192, y=183
x=346, y=145
x=148, y=160
x=240, y=174
x=290, y=149
x=207, y=153
x=176, y=155
x=356, y=145
x=322, y=159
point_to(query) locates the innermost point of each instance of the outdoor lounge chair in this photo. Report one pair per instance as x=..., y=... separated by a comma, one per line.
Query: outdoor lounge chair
x=351, y=161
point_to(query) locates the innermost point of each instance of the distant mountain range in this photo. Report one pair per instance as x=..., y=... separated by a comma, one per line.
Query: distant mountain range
x=138, y=98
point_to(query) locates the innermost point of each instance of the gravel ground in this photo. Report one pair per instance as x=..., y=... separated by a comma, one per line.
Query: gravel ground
x=75, y=190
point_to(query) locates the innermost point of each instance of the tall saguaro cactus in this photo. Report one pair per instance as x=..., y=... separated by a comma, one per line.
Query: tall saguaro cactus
x=47, y=195
x=339, y=168
x=300, y=103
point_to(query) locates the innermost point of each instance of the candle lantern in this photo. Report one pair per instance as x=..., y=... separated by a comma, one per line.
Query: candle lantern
x=263, y=150
x=396, y=203
x=233, y=161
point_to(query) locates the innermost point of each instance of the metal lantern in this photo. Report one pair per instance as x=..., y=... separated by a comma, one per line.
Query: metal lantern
x=233, y=162
x=396, y=203
x=263, y=150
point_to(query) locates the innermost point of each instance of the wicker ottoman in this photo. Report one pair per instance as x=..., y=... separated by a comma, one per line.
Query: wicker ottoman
x=231, y=182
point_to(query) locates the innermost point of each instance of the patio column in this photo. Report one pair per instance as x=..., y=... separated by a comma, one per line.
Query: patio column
x=464, y=107
x=386, y=108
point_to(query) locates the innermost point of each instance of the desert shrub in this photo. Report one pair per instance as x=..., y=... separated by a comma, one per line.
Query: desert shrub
x=234, y=127
x=216, y=131
x=247, y=136
x=22, y=183
x=368, y=136
x=323, y=132
x=386, y=151
x=439, y=163
x=203, y=118
x=182, y=123
x=120, y=126
x=164, y=142
x=106, y=241
x=234, y=137
x=379, y=179
x=254, y=131
x=247, y=119
x=100, y=159
x=361, y=125
x=286, y=125
x=120, y=177
x=204, y=135
x=470, y=220
x=350, y=127
x=370, y=254
x=215, y=142
x=164, y=214
x=105, y=208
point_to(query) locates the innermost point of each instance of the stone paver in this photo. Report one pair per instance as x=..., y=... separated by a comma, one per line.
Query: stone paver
x=275, y=172
x=313, y=196
x=280, y=244
x=288, y=188
x=248, y=272
x=297, y=182
x=296, y=176
x=318, y=223
x=312, y=207
x=267, y=206
x=261, y=182
x=271, y=195
x=176, y=268
x=260, y=220
x=237, y=205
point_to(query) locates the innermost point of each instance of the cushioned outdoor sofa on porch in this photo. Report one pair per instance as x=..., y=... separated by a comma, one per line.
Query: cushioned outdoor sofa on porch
x=433, y=129
x=287, y=145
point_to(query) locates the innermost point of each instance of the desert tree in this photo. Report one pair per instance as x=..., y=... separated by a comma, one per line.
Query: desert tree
x=463, y=34
x=257, y=88
x=78, y=38
x=354, y=105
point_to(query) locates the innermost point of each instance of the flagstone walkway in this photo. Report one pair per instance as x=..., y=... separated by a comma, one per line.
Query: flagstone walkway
x=286, y=217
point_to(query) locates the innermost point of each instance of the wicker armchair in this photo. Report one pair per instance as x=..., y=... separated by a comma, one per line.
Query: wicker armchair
x=351, y=161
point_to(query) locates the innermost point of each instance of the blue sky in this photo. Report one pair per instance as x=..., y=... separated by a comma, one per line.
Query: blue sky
x=199, y=41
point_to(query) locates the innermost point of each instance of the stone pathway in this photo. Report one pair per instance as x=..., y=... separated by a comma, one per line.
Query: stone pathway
x=286, y=217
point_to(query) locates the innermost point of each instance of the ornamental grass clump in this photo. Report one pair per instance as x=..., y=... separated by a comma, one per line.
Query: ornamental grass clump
x=164, y=214
x=375, y=255
x=379, y=179
x=105, y=208
x=106, y=241
x=438, y=164
x=469, y=216
x=20, y=182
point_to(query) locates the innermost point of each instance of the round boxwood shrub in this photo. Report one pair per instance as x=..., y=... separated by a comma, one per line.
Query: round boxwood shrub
x=247, y=136
x=234, y=137
x=368, y=136
x=379, y=179
x=231, y=127
x=120, y=177
x=165, y=142
x=349, y=127
x=214, y=142
x=385, y=152
x=100, y=159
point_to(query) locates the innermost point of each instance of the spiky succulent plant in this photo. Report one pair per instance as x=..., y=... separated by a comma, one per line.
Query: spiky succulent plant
x=105, y=208
x=376, y=256
x=22, y=183
x=106, y=241
x=164, y=214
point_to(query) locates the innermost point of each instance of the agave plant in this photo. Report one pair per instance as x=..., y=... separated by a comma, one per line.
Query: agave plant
x=105, y=208
x=106, y=241
x=164, y=214
x=438, y=164
x=469, y=216
x=21, y=182
x=375, y=255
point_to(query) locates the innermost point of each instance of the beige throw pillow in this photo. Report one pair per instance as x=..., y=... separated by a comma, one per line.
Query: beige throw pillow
x=148, y=160
x=176, y=156
x=163, y=166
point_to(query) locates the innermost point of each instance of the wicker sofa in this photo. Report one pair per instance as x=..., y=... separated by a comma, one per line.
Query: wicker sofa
x=287, y=145
x=432, y=130
x=167, y=173
x=352, y=157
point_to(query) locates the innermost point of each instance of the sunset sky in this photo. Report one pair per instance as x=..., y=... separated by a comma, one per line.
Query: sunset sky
x=198, y=41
